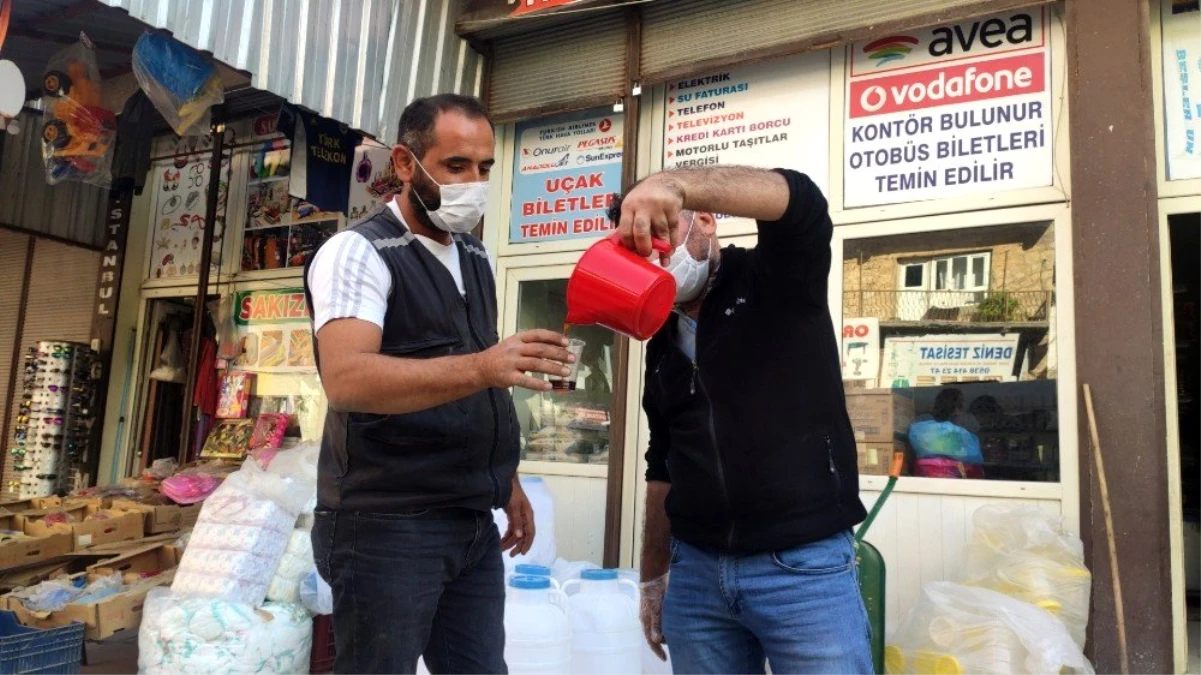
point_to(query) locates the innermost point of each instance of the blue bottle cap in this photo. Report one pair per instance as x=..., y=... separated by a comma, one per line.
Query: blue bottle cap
x=532, y=570
x=599, y=575
x=527, y=582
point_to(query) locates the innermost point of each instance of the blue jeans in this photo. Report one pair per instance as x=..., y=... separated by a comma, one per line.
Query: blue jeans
x=407, y=585
x=800, y=610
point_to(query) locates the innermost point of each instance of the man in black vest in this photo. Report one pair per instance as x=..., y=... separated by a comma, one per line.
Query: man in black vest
x=752, y=483
x=421, y=438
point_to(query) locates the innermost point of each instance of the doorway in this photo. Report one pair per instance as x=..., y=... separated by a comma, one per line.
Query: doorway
x=162, y=382
x=1185, y=236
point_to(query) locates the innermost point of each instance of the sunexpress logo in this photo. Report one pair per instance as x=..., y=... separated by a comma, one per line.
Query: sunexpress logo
x=889, y=49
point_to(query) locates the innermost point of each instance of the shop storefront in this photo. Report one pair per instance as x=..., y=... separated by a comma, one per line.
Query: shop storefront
x=267, y=220
x=941, y=138
x=1176, y=61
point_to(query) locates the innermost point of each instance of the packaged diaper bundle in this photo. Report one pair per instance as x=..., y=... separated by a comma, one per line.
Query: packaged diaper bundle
x=296, y=563
x=201, y=635
x=240, y=537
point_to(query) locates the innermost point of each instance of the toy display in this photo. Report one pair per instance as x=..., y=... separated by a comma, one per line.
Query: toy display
x=229, y=439
x=235, y=395
x=77, y=133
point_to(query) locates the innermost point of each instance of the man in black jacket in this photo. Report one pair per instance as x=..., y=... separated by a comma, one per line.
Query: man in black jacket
x=752, y=483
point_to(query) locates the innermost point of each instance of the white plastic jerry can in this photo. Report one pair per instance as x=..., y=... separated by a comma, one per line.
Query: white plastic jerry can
x=605, y=628
x=537, y=630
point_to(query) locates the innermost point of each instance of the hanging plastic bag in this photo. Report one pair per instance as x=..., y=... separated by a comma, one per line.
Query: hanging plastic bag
x=182, y=84
x=171, y=365
x=78, y=134
x=931, y=438
x=229, y=346
x=961, y=629
x=1025, y=553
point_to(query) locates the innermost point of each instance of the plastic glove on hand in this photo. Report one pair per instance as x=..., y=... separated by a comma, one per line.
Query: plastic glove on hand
x=651, y=613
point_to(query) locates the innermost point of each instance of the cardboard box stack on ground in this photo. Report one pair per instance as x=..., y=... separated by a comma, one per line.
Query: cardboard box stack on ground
x=109, y=526
x=144, y=568
x=160, y=515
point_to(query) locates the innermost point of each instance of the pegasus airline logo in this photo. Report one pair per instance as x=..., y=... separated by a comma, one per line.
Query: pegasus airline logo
x=889, y=49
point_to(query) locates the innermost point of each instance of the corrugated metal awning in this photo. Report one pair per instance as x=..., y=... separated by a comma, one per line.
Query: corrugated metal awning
x=344, y=59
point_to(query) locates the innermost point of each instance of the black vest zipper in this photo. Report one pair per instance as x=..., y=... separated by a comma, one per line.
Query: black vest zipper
x=479, y=343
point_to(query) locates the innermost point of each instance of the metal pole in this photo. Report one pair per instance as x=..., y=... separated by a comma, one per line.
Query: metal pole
x=206, y=256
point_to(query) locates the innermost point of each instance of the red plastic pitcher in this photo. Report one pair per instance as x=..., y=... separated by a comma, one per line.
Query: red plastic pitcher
x=616, y=288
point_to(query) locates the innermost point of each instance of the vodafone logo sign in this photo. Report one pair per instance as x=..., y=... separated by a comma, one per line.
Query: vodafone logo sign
x=979, y=81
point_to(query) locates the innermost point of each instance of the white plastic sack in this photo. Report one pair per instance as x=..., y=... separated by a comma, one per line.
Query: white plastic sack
x=240, y=537
x=544, y=549
x=296, y=563
x=1025, y=553
x=181, y=634
x=171, y=364
x=956, y=628
x=315, y=594
x=298, y=465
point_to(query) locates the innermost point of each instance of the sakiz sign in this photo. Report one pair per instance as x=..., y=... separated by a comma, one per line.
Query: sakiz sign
x=949, y=111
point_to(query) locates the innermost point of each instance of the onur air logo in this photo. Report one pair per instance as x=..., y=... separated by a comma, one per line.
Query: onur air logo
x=889, y=49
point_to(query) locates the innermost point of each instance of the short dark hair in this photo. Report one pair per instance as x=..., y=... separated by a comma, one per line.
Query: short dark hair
x=417, y=121
x=946, y=403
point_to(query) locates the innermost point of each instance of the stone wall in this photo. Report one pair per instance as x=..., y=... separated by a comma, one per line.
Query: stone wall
x=1023, y=259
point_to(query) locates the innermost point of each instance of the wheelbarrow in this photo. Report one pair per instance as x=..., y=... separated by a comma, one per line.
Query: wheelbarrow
x=871, y=567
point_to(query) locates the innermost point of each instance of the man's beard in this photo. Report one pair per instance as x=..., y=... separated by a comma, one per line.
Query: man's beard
x=421, y=191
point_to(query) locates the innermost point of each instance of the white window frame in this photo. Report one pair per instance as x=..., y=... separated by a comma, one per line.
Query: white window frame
x=1175, y=197
x=1067, y=489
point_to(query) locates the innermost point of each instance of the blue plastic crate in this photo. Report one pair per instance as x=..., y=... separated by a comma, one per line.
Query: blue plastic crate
x=34, y=650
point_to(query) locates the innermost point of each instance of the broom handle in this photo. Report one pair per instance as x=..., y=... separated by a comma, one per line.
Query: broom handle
x=1103, y=485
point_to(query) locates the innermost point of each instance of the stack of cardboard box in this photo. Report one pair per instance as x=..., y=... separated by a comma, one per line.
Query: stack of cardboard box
x=98, y=537
x=880, y=419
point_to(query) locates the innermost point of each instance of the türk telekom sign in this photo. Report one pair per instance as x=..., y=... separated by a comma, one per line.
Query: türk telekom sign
x=949, y=111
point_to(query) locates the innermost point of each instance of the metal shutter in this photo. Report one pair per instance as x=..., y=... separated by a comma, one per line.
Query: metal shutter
x=13, y=248
x=581, y=62
x=682, y=36
x=62, y=292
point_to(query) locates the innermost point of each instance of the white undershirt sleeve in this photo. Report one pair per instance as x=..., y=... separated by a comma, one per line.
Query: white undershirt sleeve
x=349, y=280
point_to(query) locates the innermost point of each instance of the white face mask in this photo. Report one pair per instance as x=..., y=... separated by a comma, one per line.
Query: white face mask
x=691, y=274
x=462, y=204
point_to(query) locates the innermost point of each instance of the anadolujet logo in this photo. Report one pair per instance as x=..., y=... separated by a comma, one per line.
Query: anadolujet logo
x=978, y=81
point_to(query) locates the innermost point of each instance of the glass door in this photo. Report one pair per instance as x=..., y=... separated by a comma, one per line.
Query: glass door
x=571, y=440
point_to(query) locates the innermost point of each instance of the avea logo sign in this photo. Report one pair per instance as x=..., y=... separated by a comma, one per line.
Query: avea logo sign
x=977, y=38
x=889, y=49
x=989, y=34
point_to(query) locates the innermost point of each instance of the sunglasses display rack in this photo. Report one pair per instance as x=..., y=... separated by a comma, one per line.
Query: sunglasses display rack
x=54, y=421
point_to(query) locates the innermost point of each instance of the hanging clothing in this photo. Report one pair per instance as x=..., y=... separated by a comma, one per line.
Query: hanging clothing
x=208, y=388
x=322, y=157
x=135, y=133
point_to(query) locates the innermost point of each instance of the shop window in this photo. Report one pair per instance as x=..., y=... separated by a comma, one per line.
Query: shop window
x=566, y=426
x=281, y=231
x=949, y=352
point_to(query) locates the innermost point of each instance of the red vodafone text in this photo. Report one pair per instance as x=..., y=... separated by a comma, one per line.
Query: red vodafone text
x=965, y=83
